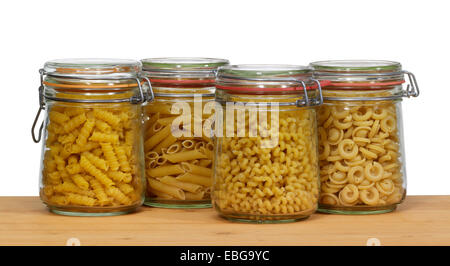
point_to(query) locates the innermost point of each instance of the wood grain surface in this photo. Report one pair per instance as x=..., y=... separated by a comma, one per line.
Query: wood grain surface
x=421, y=220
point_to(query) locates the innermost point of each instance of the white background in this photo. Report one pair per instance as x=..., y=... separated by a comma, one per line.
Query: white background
x=416, y=33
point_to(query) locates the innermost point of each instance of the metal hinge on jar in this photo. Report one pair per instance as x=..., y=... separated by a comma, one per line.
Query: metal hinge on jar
x=314, y=102
x=412, y=89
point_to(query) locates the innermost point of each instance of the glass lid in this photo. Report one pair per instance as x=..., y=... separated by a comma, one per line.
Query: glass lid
x=359, y=73
x=263, y=71
x=271, y=80
x=183, y=63
x=265, y=78
x=182, y=69
x=93, y=68
x=357, y=66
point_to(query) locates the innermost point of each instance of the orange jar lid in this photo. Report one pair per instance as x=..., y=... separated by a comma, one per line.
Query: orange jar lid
x=91, y=73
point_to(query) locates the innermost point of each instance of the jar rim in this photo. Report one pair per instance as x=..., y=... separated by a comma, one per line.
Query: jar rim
x=93, y=68
x=200, y=64
x=263, y=71
x=264, y=78
x=368, y=66
x=360, y=74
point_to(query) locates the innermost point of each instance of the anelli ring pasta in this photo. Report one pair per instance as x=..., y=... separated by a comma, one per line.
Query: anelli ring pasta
x=356, y=164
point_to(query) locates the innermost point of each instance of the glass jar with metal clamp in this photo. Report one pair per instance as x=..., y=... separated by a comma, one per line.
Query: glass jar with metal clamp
x=92, y=158
x=362, y=157
x=266, y=155
x=178, y=149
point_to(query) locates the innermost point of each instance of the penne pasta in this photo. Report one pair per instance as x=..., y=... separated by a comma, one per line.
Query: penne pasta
x=160, y=194
x=157, y=138
x=199, y=145
x=150, y=164
x=205, y=162
x=166, y=120
x=159, y=108
x=183, y=136
x=207, y=139
x=184, y=156
x=193, y=188
x=165, y=143
x=187, y=144
x=196, y=169
x=161, y=161
x=209, y=153
x=150, y=122
x=156, y=128
x=196, y=179
x=152, y=155
x=174, y=169
x=209, y=146
x=171, y=190
x=194, y=196
x=174, y=148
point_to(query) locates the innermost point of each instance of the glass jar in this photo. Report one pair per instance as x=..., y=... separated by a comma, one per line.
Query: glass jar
x=92, y=159
x=178, y=153
x=266, y=157
x=362, y=157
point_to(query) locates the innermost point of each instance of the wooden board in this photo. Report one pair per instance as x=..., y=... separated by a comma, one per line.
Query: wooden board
x=421, y=220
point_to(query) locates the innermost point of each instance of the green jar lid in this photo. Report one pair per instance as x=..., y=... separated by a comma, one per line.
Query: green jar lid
x=356, y=66
x=263, y=71
x=264, y=78
x=183, y=63
x=361, y=73
x=174, y=69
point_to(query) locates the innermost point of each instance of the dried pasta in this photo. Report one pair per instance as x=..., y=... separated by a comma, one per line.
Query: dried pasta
x=273, y=182
x=174, y=168
x=91, y=157
x=359, y=155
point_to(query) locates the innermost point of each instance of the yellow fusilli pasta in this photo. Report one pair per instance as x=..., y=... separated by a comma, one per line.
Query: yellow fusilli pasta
x=81, y=167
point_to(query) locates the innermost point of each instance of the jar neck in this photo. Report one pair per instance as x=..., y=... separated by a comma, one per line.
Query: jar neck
x=296, y=99
x=91, y=90
x=362, y=93
x=82, y=82
x=177, y=82
x=174, y=88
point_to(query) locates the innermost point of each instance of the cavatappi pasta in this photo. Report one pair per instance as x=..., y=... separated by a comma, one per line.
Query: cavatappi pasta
x=90, y=156
x=359, y=154
x=178, y=169
x=269, y=182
